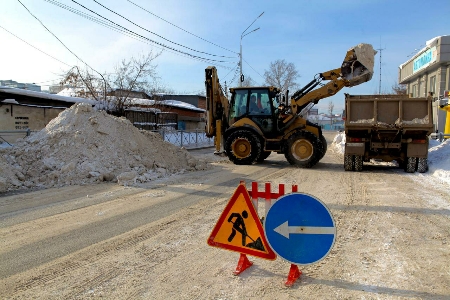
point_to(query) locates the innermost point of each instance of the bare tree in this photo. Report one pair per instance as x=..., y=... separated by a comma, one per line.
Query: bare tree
x=85, y=83
x=136, y=74
x=399, y=89
x=282, y=75
x=330, y=111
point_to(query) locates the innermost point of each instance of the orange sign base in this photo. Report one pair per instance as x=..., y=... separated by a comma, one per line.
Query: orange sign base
x=243, y=264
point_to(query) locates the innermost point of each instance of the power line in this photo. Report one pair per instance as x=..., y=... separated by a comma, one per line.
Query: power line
x=254, y=69
x=56, y=36
x=120, y=29
x=34, y=46
x=158, y=43
x=104, y=81
x=180, y=27
x=116, y=29
x=158, y=34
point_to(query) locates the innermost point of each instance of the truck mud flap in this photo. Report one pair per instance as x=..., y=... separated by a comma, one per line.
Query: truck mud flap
x=354, y=148
x=417, y=150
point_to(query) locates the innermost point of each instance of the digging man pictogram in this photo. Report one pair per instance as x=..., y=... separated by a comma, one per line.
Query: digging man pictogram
x=239, y=226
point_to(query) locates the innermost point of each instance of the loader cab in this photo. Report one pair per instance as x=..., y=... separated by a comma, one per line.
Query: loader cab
x=256, y=103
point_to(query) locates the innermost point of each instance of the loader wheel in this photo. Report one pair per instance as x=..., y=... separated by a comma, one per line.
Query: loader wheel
x=324, y=146
x=263, y=156
x=348, y=162
x=303, y=149
x=411, y=164
x=243, y=147
x=358, y=163
x=422, y=165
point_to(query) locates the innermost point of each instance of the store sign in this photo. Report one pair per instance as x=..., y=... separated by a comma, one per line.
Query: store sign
x=425, y=59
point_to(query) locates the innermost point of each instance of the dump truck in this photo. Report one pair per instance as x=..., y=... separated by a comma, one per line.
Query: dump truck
x=257, y=121
x=389, y=128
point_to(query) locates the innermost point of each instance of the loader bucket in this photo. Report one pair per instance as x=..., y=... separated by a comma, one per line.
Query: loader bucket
x=357, y=66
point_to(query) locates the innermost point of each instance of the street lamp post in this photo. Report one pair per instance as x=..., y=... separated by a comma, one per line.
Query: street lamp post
x=241, y=77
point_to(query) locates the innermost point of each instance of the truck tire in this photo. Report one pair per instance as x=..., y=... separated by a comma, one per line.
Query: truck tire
x=302, y=149
x=323, y=141
x=411, y=165
x=243, y=147
x=348, y=162
x=358, y=163
x=263, y=156
x=422, y=165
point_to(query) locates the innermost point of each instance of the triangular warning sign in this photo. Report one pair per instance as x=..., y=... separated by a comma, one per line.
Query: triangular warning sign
x=239, y=228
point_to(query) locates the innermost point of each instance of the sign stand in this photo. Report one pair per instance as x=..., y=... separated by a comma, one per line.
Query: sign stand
x=243, y=264
x=297, y=227
x=294, y=274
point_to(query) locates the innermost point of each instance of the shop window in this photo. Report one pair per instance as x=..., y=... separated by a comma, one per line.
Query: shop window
x=433, y=85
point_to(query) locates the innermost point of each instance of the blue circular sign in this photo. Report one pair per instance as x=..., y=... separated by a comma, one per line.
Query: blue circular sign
x=300, y=228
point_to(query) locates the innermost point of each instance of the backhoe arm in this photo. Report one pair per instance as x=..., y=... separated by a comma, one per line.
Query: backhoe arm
x=356, y=68
x=216, y=102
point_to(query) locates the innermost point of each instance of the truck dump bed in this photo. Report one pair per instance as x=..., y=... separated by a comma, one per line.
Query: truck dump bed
x=385, y=112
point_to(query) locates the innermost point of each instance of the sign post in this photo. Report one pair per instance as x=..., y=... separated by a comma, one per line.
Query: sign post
x=300, y=229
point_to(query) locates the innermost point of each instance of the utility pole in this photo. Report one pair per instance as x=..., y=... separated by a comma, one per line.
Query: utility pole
x=241, y=77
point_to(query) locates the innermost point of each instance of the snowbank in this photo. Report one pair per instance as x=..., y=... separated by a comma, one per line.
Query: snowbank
x=84, y=146
x=438, y=157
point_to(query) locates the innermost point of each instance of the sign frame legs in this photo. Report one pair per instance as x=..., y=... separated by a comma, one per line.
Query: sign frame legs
x=294, y=274
x=243, y=264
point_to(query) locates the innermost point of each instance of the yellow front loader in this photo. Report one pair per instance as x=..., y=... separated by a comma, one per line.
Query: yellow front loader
x=257, y=121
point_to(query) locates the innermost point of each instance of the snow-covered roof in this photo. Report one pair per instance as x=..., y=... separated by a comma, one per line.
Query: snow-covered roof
x=173, y=103
x=42, y=95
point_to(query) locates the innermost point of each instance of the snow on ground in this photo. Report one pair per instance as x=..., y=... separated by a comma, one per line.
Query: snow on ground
x=85, y=146
x=438, y=158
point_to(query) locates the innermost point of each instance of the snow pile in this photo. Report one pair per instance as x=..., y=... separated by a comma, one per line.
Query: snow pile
x=438, y=157
x=83, y=146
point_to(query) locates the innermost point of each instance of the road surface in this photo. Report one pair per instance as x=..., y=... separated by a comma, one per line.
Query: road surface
x=113, y=242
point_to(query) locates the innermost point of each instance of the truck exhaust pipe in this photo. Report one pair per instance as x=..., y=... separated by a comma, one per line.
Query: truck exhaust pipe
x=357, y=66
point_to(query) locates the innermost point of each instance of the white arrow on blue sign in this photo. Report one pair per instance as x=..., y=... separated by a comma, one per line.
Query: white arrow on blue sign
x=300, y=228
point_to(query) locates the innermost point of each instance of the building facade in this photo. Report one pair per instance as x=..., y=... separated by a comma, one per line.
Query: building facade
x=428, y=71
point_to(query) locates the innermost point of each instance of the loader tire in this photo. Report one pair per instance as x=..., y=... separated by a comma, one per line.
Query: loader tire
x=323, y=141
x=303, y=149
x=243, y=147
x=411, y=165
x=348, y=162
x=263, y=156
x=422, y=165
x=358, y=163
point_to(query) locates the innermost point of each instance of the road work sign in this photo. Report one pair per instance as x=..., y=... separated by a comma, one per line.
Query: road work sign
x=239, y=228
x=300, y=229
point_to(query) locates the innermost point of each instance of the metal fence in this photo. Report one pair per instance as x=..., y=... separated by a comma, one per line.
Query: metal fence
x=186, y=139
x=6, y=135
x=182, y=138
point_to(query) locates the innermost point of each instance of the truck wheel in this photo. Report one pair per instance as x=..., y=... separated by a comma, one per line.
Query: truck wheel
x=348, y=162
x=302, y=149
x=358, y=163
x=411, y=165
x=242, y=147
x=323, y=141
x=263, y=156
x=422, y=165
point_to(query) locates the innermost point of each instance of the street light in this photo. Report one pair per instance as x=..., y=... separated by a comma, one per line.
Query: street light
x=241, y=79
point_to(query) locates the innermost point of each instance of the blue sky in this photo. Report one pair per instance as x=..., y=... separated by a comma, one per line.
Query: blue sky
x=313, y=35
